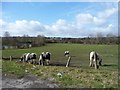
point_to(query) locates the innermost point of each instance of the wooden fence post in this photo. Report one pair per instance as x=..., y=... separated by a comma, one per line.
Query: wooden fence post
x=68, y=62
x=10, y=58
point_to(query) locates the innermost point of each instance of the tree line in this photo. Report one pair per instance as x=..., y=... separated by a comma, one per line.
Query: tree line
x=26, y=41
x=87, y=40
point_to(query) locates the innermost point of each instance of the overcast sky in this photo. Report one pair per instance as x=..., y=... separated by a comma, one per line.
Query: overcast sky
x=59, y=19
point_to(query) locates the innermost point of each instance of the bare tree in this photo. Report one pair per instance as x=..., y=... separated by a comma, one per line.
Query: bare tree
x=110, y=35
x=6, y=40
x=6, y=34
x=99, y=36
x=91, y=35
x=40, y=40
x=110, y=38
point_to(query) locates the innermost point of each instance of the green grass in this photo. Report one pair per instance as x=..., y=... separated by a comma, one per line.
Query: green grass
x=13, y=68
x=84, y=76
x=80, y=52
x=71, y=77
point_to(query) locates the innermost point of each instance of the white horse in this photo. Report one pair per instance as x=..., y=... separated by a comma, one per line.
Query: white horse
x=95, y=60
x=44, y=57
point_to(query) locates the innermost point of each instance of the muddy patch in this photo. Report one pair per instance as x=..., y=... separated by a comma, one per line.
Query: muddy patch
x=28, y=81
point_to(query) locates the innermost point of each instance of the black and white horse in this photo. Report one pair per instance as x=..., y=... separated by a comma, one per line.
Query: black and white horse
x=95, y=60
x=29, y=57
x=66, y=53
x=23, y=57
x=44, y=57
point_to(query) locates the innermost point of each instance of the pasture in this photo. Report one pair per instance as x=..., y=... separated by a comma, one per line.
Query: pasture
x=79, y=74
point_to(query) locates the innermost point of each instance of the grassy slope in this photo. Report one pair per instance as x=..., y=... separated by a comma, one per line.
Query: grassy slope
x=84, y=76
x=71, y=76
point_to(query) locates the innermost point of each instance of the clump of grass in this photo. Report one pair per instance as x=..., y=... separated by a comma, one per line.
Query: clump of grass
x=11, y=67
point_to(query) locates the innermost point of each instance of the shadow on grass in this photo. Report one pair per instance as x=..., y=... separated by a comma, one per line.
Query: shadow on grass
x=57, y=64
x=71, y=65
x=109, y=65
x=62, y=64
x=51, y=64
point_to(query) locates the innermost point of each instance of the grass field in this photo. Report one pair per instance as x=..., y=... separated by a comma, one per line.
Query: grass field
x=105, y=76
x=80, y=53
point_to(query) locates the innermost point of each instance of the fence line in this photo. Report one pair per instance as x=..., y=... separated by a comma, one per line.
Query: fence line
x=10, y=58
x=14, y=58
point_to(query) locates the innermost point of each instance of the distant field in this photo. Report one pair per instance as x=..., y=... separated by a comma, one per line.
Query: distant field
x=80, y=53
x=81, y=76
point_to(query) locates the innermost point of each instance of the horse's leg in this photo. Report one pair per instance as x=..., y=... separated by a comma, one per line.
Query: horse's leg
x=91, y=62
x=29, y=61
x=95, y=64
x=34, y=61
x=100, y=62
x=42, y=62
x=39, y=62
x=23, y=59
x=47, y=62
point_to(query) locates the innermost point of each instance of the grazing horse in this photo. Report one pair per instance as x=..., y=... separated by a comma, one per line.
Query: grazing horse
x=22, y=58
x=66, y=53
x=28, y=57
x=33, y=57
x=44, y=57
x=95, y=60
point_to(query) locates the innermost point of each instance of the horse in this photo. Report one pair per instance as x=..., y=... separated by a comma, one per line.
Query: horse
x=95, y=60
x=66, y=53
x=29, y=57
x=44, y=57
